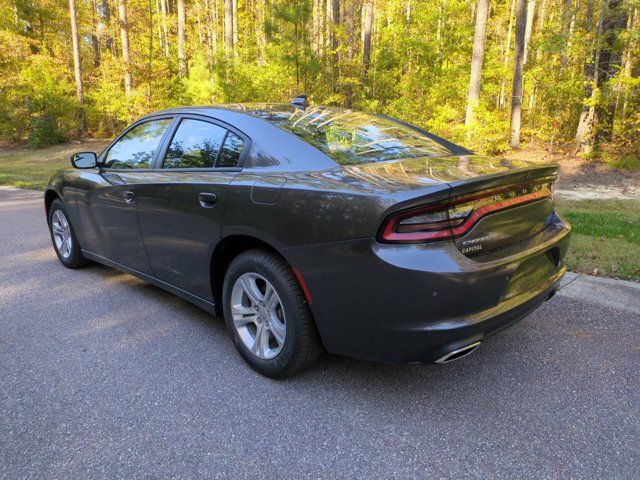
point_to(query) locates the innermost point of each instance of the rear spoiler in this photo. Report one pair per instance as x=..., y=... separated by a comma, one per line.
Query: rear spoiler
x=520, y=175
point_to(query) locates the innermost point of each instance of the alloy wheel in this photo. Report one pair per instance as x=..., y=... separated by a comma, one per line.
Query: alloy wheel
x=61, y=234
x=258, y=315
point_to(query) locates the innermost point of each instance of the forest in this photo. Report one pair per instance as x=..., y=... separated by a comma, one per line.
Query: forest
x=489, y=74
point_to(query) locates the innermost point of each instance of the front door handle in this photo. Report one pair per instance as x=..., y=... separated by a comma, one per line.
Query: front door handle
x=207, y=200
x=128, y=196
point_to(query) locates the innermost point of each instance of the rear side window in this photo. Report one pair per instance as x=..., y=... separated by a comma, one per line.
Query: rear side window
x=351, y=138
x=231, y=151
x=196, y=144
x=137, y=147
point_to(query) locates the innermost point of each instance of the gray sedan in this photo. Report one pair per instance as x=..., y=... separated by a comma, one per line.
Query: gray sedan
x=317, y=228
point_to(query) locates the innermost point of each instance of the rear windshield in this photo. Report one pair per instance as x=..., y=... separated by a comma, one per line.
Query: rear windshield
x=353, y=137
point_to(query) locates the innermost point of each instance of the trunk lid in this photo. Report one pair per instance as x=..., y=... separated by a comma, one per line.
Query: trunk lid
x=499, y=212
x=492, y=204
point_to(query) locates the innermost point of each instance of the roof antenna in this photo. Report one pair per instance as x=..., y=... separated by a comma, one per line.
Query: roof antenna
x=300, y=101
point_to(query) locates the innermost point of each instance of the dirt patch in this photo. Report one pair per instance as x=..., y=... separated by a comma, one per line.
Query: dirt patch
x=584, y=178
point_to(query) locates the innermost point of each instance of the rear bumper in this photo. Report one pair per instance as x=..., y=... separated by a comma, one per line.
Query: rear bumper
x=416, y=303
x=436, y=341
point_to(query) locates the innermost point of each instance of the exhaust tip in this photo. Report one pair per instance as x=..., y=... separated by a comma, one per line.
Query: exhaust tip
x=459, y=353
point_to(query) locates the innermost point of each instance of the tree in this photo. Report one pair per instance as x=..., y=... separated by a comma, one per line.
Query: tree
x=475, y=80
x=77, y=64
x=631, y=56
x=165, y=28
x=124, y=39
x=182, y=37
x=234, y=4
x=105, y=14
x=505, y=57
x=518, y=74
x=228, y=28
x=367, y=27
x=531, y=7
x=609, y=63
x=585, y=122
x=261, y=38
x=335, y=11
x=597, y=116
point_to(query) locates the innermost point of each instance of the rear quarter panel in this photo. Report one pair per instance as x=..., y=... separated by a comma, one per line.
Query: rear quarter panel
x=311, y=207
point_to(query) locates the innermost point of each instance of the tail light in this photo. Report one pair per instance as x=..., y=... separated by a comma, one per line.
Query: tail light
x=442, y=221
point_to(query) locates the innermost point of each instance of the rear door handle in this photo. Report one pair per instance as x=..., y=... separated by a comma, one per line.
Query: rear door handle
x=207, y=200
x=128, y=196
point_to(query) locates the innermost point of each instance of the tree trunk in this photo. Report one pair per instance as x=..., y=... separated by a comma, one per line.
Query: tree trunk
x=165, y=29
x=228, y=28
x=327, y=24
x=475, y=79
x=159, y=24
x=261, y=39
x=518, y=74
x=150, y=56
x=584, y=132
x=234, y=3
x=531, y=8
x=335, y=9
x=634, y=25
x=214, y=27
x=95, y=40
x=567, y=15
x=315, y=33
x=124, y=39
x=350, y=28
x=367, y=27
x=199, y=23
x=182, y=55
x=507, y=54
x=105, y=13
x=77, y=65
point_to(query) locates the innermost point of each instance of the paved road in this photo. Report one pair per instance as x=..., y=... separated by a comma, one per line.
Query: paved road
x=102, y=375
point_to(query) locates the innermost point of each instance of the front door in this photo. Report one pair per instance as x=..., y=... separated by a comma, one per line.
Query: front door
x=108, y=207
x=182, y=203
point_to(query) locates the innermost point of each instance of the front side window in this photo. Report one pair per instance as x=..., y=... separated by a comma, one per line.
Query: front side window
x=137, y=147
x=195, y=145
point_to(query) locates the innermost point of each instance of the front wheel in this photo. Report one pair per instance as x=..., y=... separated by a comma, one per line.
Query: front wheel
x=267, y=315
x=63, y=237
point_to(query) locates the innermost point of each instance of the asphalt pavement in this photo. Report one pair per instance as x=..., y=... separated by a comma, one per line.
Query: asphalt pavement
x=103, y=375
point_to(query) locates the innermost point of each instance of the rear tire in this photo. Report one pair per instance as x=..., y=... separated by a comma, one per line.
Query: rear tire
x=267, y=315
x=65, y=242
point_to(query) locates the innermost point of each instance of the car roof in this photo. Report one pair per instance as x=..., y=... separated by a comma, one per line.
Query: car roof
x=246, y=108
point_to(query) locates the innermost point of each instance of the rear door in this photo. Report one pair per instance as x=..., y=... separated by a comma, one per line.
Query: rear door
x=181, y=205
x=107, y=204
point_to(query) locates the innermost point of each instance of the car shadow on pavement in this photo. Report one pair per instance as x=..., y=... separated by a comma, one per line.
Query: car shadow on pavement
x=329, y=364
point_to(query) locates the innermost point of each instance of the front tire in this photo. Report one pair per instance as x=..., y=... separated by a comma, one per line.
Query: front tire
x=64, y=240
x=267, y=315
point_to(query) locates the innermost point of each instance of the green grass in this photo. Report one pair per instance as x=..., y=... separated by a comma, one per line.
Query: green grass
x=606, y=236
x=623, y=162
x=31, y=168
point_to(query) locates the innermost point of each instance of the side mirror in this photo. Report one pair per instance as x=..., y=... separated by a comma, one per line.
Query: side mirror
x=84, y=160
